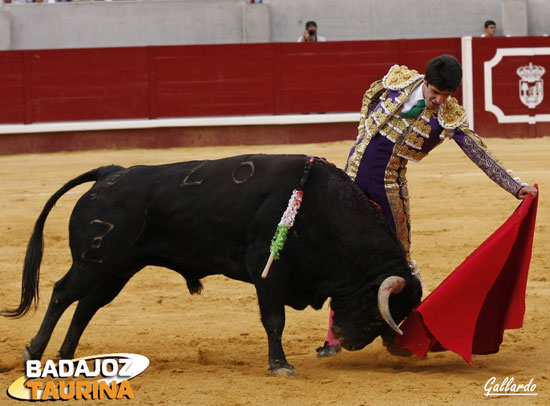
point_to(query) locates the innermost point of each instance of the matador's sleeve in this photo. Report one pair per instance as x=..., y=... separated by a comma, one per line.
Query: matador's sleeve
x=474, y=147
x=452, y=117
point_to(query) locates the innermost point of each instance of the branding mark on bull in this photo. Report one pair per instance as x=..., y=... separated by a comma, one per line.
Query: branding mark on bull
x=187, y=182
x=115, y=177
x=98, y=240
x=109, y=181
x=531, y=84
x=241, y=175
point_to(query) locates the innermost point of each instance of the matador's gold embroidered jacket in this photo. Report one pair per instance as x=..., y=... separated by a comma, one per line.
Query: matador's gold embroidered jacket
x=414, y=138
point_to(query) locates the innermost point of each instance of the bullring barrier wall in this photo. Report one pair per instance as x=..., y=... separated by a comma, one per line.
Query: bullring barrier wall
x=171, y=96
x=200, y=80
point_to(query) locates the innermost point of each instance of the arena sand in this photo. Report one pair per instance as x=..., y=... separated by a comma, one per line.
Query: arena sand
x=212, y=350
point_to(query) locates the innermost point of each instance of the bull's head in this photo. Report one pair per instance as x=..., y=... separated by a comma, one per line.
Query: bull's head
x=377, y=312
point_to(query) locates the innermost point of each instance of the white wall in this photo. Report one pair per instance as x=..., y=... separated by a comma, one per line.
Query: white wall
x=387, y=19
x=82, y=24
x=5, y=28
x=538, y=17
x=93, y=24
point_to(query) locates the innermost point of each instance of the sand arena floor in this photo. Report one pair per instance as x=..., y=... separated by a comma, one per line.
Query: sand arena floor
x=212, y=350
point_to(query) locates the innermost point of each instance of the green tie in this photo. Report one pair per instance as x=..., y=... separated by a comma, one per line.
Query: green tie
x=416, y=109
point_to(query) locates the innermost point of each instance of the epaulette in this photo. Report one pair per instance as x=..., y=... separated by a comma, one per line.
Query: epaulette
x=451, y=114
x=399, y=77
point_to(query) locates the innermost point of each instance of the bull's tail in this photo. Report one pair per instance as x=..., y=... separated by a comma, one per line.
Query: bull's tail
x=35, y=248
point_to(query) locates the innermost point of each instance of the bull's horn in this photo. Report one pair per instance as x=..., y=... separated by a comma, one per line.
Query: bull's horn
x=392, y=284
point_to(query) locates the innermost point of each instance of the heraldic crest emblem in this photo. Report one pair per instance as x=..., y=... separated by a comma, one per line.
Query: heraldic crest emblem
x=531, y=85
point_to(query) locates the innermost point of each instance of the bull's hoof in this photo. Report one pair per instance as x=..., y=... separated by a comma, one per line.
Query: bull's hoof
x=29, y=355
x=26, y=355
x=396, y=350
x=328, y=350
x=281, y=368
x=285, y=371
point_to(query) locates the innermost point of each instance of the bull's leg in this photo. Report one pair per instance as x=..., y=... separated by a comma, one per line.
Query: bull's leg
x=85, y=310
x=65, y=292
x=273, y=320
x=270, y=293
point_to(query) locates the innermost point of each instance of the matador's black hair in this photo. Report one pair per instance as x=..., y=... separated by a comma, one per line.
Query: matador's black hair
x=444, y=72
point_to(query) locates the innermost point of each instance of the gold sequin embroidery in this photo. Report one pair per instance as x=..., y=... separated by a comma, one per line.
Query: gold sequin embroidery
x=427, y=115
x=398, y=198
x=371, y=126
x=400, y=77
x=389, y=106
x=451, y=114
x=388, y=132
x=414, y=141
x=397, y=124
x=422, y=128
x=406, y=152
x=379, y=117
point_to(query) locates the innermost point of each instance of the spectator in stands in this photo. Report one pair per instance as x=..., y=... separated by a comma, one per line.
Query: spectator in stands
x=310, y=33
x=490, y=27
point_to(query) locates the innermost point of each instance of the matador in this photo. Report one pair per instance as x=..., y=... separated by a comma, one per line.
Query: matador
x=403, y=117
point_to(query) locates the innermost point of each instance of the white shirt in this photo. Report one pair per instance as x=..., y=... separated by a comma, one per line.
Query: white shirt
x=320, y=38
x=415, y=97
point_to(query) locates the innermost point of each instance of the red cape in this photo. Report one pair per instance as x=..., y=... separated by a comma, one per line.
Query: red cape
x=485, y=295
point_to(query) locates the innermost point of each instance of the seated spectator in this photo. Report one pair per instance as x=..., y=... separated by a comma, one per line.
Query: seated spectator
x=310, y=34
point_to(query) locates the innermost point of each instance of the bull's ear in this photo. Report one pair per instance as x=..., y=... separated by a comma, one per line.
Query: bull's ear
x=392, y=284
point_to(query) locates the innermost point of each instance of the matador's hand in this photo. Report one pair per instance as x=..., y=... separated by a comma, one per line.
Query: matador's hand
x=527, y=190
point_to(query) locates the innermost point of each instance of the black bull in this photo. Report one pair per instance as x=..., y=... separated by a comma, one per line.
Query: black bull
x=203, y=218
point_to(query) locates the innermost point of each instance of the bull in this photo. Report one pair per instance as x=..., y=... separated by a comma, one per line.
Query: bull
x=211, y=217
